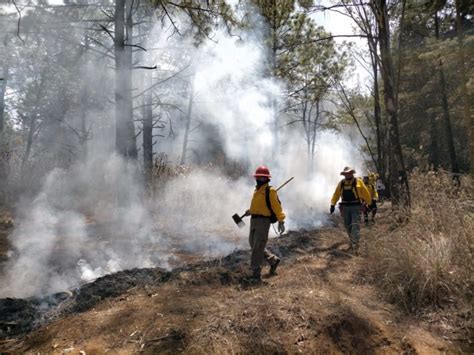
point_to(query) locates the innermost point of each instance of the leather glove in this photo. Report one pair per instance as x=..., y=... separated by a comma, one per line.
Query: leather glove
x=281, y=227
x=246, y=214
x=332, y=209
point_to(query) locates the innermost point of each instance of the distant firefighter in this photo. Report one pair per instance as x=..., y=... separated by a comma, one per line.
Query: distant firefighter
x=353, y=193
x=380, y=189
x=369, y=182
x=265, y=209
x=373, y=193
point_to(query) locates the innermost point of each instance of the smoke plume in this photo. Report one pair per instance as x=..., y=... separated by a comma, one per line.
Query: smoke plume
x=94, y=218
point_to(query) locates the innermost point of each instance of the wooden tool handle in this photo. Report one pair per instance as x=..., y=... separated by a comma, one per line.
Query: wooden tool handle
x=286, y=182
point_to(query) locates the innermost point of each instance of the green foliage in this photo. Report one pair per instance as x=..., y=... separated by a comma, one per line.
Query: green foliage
x=419, y=86
x=203, y=16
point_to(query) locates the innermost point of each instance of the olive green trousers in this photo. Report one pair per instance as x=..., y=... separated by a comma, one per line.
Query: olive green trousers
x=258, y=238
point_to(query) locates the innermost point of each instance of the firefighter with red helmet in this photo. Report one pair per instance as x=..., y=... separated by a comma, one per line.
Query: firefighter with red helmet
x=265, y=209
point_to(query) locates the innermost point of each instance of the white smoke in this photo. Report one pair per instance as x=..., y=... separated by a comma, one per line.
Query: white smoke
x=76, y=229
x=94, y=218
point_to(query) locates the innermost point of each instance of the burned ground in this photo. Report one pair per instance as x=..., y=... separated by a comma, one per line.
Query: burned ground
x=19, y=316
x=318, y=303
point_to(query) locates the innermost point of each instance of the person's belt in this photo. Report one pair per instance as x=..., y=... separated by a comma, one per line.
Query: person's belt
x=350, y=203
x=259, y=216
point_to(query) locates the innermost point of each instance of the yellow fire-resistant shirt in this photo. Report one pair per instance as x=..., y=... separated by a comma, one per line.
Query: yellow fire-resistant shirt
x=362, y=192
x=373, y=192
x=258, y=206
x=371, y=187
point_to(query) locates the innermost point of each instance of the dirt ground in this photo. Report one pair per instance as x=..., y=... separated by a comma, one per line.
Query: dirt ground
x=318, y=303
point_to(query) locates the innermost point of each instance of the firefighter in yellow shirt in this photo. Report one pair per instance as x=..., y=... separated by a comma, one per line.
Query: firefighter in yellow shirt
x=373, y=193
x=353, y=193
x=265, y=209
x=370, y=184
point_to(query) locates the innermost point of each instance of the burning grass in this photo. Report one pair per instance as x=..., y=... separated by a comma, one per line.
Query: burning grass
x=428, y=262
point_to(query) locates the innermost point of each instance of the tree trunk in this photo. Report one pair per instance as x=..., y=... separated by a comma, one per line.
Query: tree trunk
x=400, y=190
x=274, y=70
x=306, y=126
x=468, y=119
x=148, y=130
x=188, y=123
x=29, y=141
x=378, y=120
x=84, y=135
x=434, y=152
x=124, y=127
x=364, y=21
x=444, y=103
x=313, y=136
x=4, y=146
x=3, y=90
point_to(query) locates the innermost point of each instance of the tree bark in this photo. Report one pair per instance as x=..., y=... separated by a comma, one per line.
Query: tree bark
x=363, y=20
x=3, y=89
x=400, y=190
x=84, y=135
x=188, y=123
x=444, y=104
x=4, y=146
x=274, y=69
x=29, y=141
x=148, y=130
x=468, y=119
x=434, y=151
x=378, y=125
x=124, y=127
x=313, y=135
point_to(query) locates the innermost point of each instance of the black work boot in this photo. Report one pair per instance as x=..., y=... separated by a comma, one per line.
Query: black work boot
x=256, y=276
x=273, y=266
x=355, y=249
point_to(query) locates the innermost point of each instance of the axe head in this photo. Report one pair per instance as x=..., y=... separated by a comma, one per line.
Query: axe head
x=238, y=220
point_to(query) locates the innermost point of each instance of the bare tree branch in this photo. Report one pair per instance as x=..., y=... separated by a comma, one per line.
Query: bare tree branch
x=136, y=46
x=19, y=20
x=161, y=82
x=108, y=32
x=145, y=67
x=170, y=18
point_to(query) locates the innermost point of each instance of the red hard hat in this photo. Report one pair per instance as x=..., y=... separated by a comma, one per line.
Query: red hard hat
x=262, y=171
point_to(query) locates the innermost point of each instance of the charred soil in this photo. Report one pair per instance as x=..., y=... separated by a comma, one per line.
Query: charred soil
x=318, y=303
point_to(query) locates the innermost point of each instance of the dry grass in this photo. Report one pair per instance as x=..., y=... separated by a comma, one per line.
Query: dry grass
x=428, y=262
x=313, y=306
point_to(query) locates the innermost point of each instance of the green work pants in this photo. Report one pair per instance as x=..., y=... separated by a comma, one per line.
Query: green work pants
x=351, y=215
x=258, y=238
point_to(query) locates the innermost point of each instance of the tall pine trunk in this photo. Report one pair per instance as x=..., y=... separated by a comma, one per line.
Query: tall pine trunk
x=445, y=106
x=147, y=114
x=400, y=191
x=378, y=124
x=125, y=141
x=84, y=132
x=4, y=146
x=188, y=123
x=3, y=90
x=468, y=119
x=434, y=151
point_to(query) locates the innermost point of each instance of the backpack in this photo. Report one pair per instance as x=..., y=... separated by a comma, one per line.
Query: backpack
x=273, y=217
x=354, y=188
